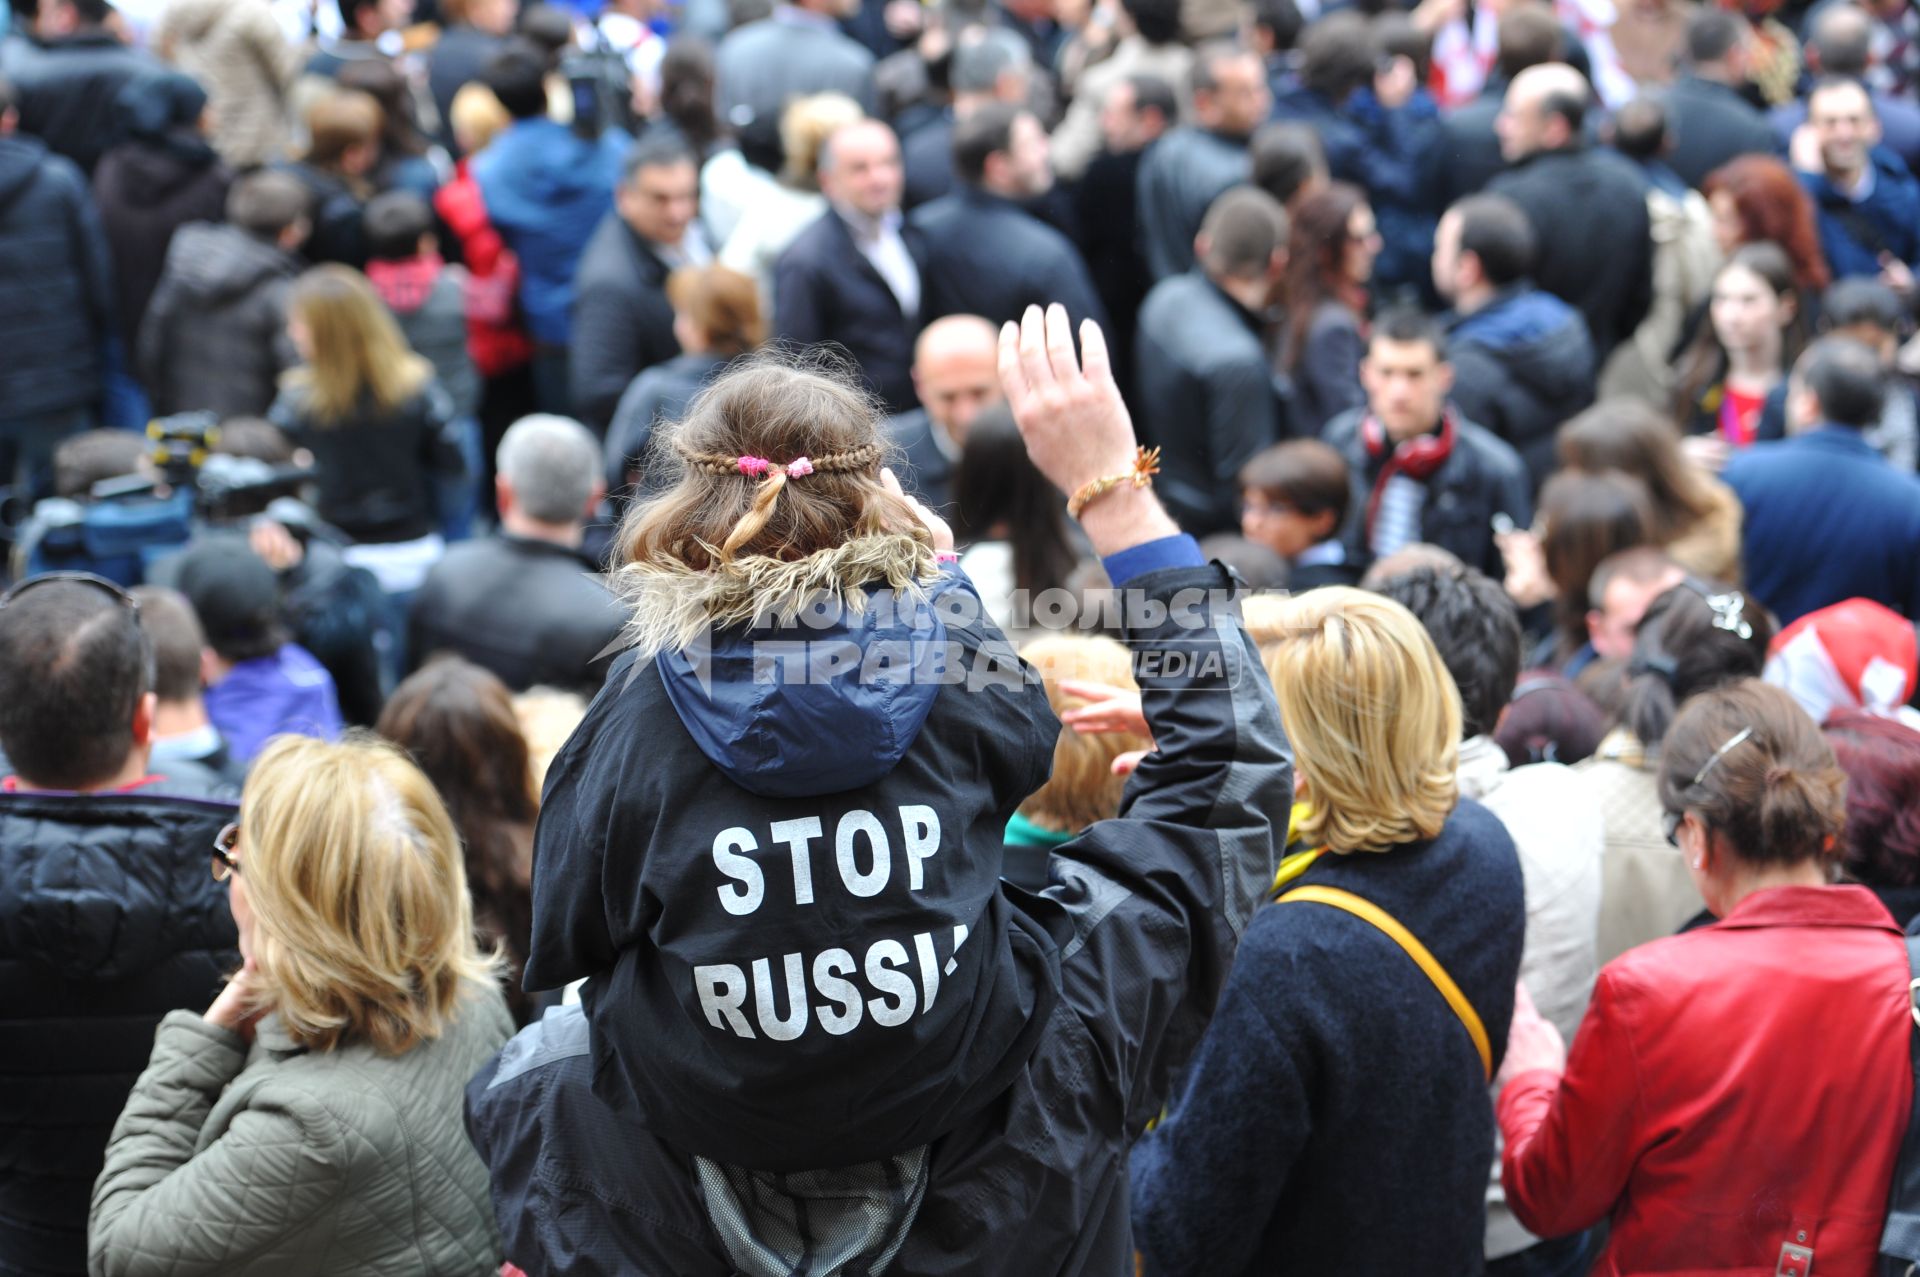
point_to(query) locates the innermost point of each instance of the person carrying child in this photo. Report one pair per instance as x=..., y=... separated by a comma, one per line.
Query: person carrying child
x=819, y=1033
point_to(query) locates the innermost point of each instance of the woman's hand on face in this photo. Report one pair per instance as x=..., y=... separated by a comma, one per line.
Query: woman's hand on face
x=1532, y=1042
x=936, y=526
x=234, y=1009
x=1527, y=580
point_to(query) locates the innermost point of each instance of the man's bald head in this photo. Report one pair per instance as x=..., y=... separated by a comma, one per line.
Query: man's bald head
x=1545, y=110
x=956, y=372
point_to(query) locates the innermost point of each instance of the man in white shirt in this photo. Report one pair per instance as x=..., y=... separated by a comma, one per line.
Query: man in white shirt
x=852, y=277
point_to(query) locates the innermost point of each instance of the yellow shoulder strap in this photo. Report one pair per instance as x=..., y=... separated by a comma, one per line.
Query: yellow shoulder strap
x=1365, y=909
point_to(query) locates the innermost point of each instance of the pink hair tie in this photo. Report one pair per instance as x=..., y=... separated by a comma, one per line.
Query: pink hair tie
x=799, y=466
x=755, y=466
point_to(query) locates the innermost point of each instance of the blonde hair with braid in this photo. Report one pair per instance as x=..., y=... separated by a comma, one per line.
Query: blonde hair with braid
x=779, y=408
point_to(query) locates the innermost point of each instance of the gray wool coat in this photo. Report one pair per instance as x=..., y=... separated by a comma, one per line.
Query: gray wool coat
x=283, y=1161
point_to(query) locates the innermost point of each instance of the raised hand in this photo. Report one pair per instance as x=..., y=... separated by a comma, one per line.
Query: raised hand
x=1076, y=427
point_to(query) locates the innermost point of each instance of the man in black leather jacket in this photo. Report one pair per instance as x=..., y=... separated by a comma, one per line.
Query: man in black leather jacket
x=111, y=917
x=525, y=602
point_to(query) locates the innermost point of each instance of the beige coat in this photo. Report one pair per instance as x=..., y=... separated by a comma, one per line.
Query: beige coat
x=239, y=54
x=1711, y=547
x=1646, y=892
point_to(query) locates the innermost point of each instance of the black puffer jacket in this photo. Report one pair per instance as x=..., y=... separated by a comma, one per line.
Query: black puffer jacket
x=1522, y=364
x=55, y=295
x=376, y=468
x=109, y=919
x=214, y=337
x=67, y=87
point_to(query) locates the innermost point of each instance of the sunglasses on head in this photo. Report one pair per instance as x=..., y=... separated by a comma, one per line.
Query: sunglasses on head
x=91, y=579
x=225, y=843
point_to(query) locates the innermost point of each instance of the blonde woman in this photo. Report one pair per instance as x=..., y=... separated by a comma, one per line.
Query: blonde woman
x=311, y=1120
x=1336, y=1117
x=375, y=420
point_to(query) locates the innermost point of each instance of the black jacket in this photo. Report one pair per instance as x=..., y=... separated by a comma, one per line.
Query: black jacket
x=1336, y=1118
x=1206, y=398
x=825, y=290
x=67, y=87
x=1483, y=477
x=533, y=612
x=985, y=256
x=1589, y=211
x=1180, y=176
x=56, y=285
x=109, y=920
x=145, y=193
x=215, y=334
x=376, y=469
x=1107, y=207
x=1469, y=148
x=928, y=472
x=1522, y=365
x=338, y=215
x=660, y=394
x=1711, y=124
x=622, y=321
x=1134, y=939
x=926, y=155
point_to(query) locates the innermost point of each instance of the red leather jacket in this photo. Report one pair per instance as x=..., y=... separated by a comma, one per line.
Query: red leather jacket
x=1733, y=1092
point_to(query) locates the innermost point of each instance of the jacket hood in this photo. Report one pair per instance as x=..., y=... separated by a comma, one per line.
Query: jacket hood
x=552, y=165
x=215, y=263
x=1542, y=341
x=151, y=172
x=815, y=692
x=102, y=886
x=20, y=160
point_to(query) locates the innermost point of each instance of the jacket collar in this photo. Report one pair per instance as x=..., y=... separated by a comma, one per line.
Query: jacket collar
x=1837, y=439
x=536, y=548
x=1839, y=906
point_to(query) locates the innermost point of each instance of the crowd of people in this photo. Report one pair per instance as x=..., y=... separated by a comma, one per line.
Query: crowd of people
x=1365, y=555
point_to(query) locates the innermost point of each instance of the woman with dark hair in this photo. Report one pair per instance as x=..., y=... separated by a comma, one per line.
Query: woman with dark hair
x=162, y=175
x=1010, y=519
x=1756, y=199
x=716, y=319
x=1696, y=518
x=1695, y=637
x=1330, y=257
x=1584, y=517
x=1880, y=844
x=1692, y=1038
x=456, y=721
x=1756, y=326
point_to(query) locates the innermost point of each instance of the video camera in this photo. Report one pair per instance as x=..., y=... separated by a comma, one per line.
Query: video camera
x=130, y=521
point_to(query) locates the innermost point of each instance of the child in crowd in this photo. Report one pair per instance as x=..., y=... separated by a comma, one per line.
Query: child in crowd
x=214, y=338
x=1294, y=500
x=848, y=828
x=428, y=298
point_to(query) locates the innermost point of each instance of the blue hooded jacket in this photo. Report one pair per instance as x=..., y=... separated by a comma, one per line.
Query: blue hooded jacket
x=546, y=189
x=777, y=852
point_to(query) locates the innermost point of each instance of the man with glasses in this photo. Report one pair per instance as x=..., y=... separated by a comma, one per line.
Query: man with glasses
x=109, y=918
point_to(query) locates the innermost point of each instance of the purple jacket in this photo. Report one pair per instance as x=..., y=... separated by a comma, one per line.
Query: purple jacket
x=289, y=691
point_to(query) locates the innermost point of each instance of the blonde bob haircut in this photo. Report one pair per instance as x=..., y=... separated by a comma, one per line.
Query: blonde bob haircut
x=360, y=357
x=363, y=930
x=1083, y=788
x=805, y=126
x=1373, y=715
